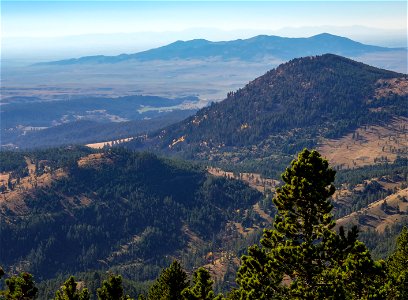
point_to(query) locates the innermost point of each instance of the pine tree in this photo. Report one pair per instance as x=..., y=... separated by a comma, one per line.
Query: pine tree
x=21, y=287
x=302, y=257
x=171, y=282
x=398, y=268
x=202, y=289
x=256, y=278
x=112, y=289
x=69, y=291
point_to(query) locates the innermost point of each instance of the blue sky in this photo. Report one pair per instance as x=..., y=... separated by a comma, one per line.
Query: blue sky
x=61, y=18
x=46, y=23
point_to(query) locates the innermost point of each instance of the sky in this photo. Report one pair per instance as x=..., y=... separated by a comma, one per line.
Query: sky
x=112, y=27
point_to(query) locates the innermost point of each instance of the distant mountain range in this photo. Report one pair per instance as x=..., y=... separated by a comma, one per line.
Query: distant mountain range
x=252, y=49
x=290, y=107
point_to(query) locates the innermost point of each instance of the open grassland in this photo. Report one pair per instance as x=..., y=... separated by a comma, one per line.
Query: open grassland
x=380, y=214
x=101, y=145
x=396, y=86
x=368, y=145
x=254, y=180
x=12, y=199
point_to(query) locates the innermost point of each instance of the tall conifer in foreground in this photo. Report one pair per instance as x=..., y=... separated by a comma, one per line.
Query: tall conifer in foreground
x=302, y=257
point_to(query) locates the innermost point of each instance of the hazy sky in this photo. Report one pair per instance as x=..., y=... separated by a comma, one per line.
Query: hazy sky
x=59, y=18
x=43, y=25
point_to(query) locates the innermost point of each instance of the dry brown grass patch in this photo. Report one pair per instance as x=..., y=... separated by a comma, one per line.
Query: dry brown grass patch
x=13, y=200
x=367, y=145
x=376, y=216
x=94, y=160
x=396, y=86
x=220, y=263
x=254, y=180
x=101, y=145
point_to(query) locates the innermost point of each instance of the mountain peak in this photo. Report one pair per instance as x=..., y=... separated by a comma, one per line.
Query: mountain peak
x=193, y=41
x=257, y=48
x=326, y=35
x=287, y=109
x=329, y=60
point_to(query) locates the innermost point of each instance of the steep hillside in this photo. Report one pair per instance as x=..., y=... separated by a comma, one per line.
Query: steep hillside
x=368, y=145
x=381, y=213
x=293, y=106
x=75, y=209
x=374, y=198
x=256, y=48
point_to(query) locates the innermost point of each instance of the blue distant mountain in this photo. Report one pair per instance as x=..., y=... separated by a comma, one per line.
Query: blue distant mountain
x=252, y=49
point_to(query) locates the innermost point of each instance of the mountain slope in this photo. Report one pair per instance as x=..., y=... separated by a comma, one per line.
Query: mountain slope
x=76, y=209
x=288, y=108
x=256, y=48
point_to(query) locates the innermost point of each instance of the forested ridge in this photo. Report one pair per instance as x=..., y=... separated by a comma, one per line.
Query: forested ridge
x=127, y=211
x=283, y=111
x=110, y=208
x=300, y=256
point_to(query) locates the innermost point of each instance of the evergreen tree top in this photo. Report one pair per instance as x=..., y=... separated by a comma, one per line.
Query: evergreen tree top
x=301, y=257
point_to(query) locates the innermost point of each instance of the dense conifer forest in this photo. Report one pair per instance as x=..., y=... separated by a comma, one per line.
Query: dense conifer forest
x=262, y=125
x=299, y=257
x=113, y=207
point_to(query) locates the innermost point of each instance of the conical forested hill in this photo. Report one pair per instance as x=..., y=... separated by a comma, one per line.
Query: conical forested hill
x=288, y=108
